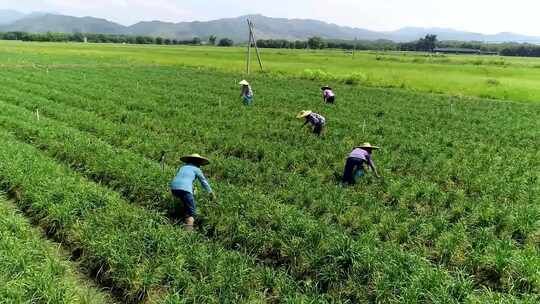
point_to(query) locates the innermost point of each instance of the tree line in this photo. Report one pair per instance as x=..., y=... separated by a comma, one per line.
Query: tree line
x=430, y=43
x=109, y=38
x=316, y=43
x=427, y=44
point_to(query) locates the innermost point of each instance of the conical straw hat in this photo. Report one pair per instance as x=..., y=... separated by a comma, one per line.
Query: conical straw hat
x=243, y=82
x=303, y=114
x=195, y=158
x=368, y=146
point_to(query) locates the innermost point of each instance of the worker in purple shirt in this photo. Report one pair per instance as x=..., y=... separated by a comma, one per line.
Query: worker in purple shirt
x=328, y=95
x=358, y=158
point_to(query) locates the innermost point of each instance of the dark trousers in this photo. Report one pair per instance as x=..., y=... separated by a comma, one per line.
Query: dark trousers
x=330, y=99
x=317, y=129
x=188, y=206
x=351, y=166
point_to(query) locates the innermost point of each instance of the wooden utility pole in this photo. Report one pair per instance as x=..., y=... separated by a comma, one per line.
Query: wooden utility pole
x=248, y=62
x=256, y=47
x=252, y=41
x=354, y=47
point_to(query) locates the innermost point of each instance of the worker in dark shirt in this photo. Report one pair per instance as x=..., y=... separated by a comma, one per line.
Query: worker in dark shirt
x=316, y=120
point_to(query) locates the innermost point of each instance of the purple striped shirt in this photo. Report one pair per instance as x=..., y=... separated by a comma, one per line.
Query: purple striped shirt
x=361, y=154
x=316, y=119
x=328, y=93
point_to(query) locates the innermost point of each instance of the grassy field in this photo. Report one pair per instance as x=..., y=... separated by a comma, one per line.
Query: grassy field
x=481, y=76
x=455, y=219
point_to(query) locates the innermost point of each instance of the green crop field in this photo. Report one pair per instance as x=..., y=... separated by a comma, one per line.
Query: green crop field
x=495, y=77
x=455, y=218
x=33, y=270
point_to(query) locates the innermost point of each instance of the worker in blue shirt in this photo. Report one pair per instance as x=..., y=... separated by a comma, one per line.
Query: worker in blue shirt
x=182, y=185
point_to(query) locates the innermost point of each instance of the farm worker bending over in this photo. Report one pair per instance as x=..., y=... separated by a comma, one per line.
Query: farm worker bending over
x=247, y=93
x=182, y=185
x=317, y=120
x=359, y=157
x=328, y=95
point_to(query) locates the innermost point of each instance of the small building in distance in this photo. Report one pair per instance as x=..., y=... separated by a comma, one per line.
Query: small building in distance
x=464, y=51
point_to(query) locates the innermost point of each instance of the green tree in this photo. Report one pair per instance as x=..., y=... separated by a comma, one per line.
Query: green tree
x=212, y=40
x=226, y=42
x=78, y=36
x=427, y=43
x=315, y=43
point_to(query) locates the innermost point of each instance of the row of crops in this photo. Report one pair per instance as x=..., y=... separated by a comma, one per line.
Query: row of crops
x=33, y=270
x=456, y=217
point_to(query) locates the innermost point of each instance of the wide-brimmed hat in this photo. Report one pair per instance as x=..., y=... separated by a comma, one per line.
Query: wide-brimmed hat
x=243, y=82
x=368, y=146
x=303, y=114
x=195, y=158
x=326, y=88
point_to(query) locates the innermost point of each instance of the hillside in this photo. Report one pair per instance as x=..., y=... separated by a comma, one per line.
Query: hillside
x=10, y=16
x=266, y=27
x=64, y=24
x=235, y=28
x=412, y=33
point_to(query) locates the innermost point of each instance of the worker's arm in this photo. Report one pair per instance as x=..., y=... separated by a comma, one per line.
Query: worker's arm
x=375, y=171
x=204, y=182
x=373, y=168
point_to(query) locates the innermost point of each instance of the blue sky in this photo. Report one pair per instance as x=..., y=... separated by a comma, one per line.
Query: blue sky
x=485, y=16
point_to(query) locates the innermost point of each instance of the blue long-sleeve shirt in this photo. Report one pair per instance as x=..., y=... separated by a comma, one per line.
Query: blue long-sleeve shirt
x=186, y=175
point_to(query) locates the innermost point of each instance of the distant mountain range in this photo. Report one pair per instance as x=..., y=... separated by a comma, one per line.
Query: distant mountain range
x=9, y=16
x=236, y=29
